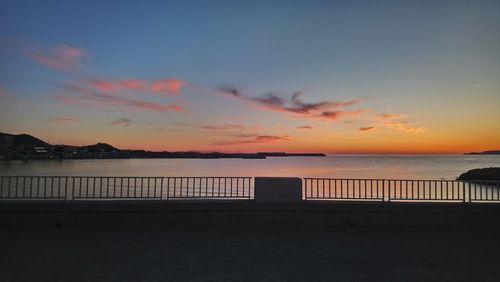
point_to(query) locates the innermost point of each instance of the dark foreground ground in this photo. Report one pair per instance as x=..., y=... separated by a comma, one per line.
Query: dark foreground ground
x=239, y=253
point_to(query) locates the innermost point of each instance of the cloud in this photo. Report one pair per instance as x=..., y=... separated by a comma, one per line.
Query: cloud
x=322, y=110
x=274, y=102
x=122, y=121
x=245, y=135
x=132, y=84
x=305, y=127
x=64, y=119
x=172, y=86
x=299, y=106
x=368, y=128
x=168, y=86
x=253, y=140
x=271, y=101
x=104, y=85
x=60, y=57
x=82, y=95
x=394, y=121
x=332, y=115
x=231, y=91
x=222, y=127
x=390, y=116
x=404, y=126
x=335, y=115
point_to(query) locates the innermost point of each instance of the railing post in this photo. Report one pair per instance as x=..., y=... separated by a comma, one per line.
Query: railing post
x=304, y=185
x=66, y=188
x=470, y=192
x=383, y=189
x=463, y=192
x=161, y=187
x=388, y=184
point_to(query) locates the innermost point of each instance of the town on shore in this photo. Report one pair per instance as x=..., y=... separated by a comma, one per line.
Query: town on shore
x=27, y=147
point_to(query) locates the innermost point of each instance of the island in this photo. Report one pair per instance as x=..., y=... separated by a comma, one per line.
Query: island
x=27, y=147
x=492, y=152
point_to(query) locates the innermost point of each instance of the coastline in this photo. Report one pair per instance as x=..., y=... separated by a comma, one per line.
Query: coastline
x=161, y=155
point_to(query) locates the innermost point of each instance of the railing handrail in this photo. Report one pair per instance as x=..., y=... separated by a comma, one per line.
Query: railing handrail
x=207, y=176
x=124, y=176
x=398, y=179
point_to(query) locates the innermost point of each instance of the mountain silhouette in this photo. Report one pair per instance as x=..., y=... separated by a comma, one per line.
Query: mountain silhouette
x=21, y=140
x=23, y=146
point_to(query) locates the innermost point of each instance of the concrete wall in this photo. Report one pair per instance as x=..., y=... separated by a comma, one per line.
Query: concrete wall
x=251, y=213
x=278, y=189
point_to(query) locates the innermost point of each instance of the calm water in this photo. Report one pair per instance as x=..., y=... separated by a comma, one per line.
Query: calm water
x=403, y=167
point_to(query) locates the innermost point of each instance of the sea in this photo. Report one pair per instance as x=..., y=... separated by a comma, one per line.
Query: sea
x=427, y=167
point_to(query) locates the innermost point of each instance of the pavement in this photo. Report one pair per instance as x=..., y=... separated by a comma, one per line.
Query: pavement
x=247, y=253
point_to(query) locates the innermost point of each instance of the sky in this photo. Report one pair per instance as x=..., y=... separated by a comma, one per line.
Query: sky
x=352, y=77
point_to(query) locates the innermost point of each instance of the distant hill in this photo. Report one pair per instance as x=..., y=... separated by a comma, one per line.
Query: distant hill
x=26, y=140
x=101, y=147
x=21, y=140
x=23, y=146
x=492, y=152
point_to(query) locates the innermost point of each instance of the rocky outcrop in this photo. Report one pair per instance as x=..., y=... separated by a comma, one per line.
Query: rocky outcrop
x=490, y=173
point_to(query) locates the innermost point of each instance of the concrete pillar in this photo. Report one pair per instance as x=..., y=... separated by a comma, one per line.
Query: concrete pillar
x=278, y=189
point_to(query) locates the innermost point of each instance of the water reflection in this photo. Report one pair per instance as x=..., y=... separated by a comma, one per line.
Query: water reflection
x=385, y=167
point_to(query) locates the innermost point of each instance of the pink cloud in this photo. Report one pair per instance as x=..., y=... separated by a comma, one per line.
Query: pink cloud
x=172, y=86
x=104, y=85
x=85, y=94
x=169, y=86
x=64, y=119
x=253, y=140
x=114, y=85
x=133, y=84
x=60, y=57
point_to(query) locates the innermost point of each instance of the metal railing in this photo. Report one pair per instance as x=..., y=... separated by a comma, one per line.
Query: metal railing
x=75, y=188
x=387, y=190
x=34, y=187
x=109, y=188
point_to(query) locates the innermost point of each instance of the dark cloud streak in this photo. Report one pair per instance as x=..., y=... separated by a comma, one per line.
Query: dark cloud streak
x=275, y=102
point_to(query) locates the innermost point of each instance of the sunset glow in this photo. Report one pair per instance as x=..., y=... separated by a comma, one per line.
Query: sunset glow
x=348, y=79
